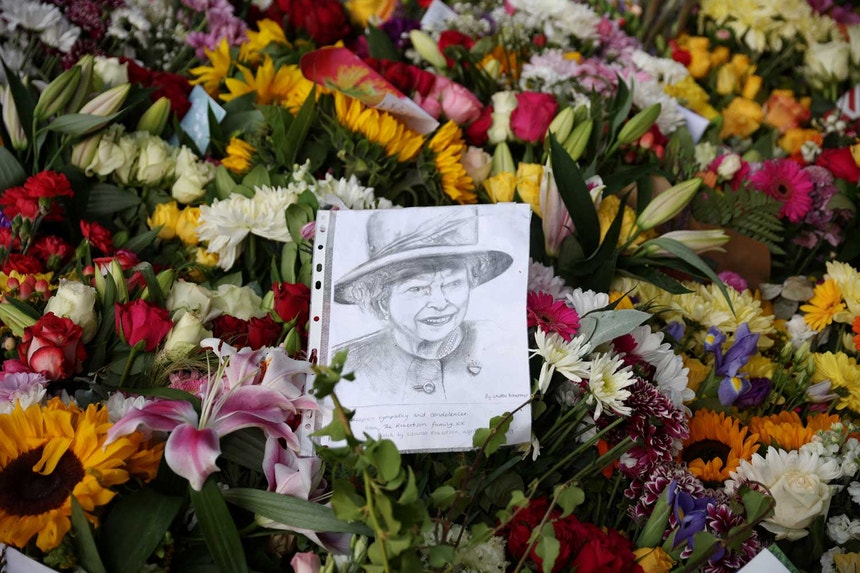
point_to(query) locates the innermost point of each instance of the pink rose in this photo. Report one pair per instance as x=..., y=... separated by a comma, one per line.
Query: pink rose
x=532, y=116
x=456, y=102
x=53, y=347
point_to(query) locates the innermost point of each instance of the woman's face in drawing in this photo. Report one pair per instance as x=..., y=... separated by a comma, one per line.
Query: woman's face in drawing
x=430, y=306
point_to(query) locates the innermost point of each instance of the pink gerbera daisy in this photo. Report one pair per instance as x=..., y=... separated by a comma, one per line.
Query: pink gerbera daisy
x=784, y=180
x=551, y=315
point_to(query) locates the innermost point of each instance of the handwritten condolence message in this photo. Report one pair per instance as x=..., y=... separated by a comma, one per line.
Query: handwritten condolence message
x=429, y=303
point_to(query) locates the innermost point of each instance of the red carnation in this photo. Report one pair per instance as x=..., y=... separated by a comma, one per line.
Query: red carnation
x=24, y=264
x=17, y=201
x=53, y=250
x=98, y=236
x=49, y=184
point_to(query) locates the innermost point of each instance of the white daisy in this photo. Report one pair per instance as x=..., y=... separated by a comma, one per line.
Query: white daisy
x=647, y=92
x=348, y=194
x=566, y=358
x=35, y=16
x=670, y=376
x=607, y=379
x=62, y=36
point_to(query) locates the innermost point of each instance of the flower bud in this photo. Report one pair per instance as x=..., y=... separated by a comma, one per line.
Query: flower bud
x=16, y=320
x=578, y=139
x=561, y=124
x=696, y=241
x=493, y=67
x=154, y=119
x=58, y=93
x=84, y=151
x=84, y=85
x=116, y=273
x=293, y=342
x=667, y=204
x=428, y=49
x=184, y=337
x=503, y=161
x=107, y=102
x=639, y=124
x=12, y=120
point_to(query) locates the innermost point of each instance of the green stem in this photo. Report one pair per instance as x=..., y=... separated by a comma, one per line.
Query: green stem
x=129, y=361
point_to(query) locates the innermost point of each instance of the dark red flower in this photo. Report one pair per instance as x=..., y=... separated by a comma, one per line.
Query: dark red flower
x=98, y=236
x=263, y=332
x=232, y=330
x=53, y=250
x=24, y=264
x=840, y=163
x=679, y=54
x=17, y=201
x=53, y=347
x=601, y=551
x=293, y=302
x=453, y=38
x=476, y=132
x=142, y=321
x=325, y=21
x=49, y=184
x=172, y=86
x=126, y=260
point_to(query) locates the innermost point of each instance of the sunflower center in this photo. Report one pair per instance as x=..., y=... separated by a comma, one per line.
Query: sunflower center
x=25, y=492
x=706, y=450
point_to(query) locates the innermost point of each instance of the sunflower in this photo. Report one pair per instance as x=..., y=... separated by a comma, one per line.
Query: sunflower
x=379, y=127
x=269, y=32
x=448, y=146
x=716, y=446
x=826, y=302
x=787, y=431
x=271, y=86
x=211, y=76
x=49, y=454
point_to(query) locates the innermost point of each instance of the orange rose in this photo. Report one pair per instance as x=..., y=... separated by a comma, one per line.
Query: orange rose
x=795, y=137
x=784, y=112
x=742, y=118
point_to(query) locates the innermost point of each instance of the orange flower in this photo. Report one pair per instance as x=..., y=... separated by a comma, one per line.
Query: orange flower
x=783, y=112
x=742, y=117
x=787, y=431
x=795, y=137
x=856, y=329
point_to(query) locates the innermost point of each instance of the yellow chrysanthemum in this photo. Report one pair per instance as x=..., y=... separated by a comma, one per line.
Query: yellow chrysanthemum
x=787, y=431
x=607, y=212
x=758, y=366
x=826, y=302
x=449, y=146
x=268, y=32
x=379, y=127
x=239, y=154
x=844, y=375
x=49, y=454
x=211, y=76
x=271, y=86
x=716, y=445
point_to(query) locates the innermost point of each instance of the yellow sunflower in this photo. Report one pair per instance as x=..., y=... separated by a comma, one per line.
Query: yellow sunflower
x=211, y=76
x=268, y=32
x=844, y=375
x=826, y=302
x=271, y=86
x=716, y=445
x=378, y=127
x=449, y=146
x=787, y=431
x=49, y=454
x=239, y=154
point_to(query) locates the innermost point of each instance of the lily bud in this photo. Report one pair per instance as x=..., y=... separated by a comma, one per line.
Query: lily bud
x=493, y=67
x=503, y=161
x=561, y=124
x=667, y=204
x=639, y=124
x=154, y=119
x=58, y=93
x=578, y=139
x=115, y=271
x=85, y=85
x=696, y=241
x=16, y=320
x=165, y=282
x=12, y=120
x=107, y=102
x=428, y=49
x=85, y=151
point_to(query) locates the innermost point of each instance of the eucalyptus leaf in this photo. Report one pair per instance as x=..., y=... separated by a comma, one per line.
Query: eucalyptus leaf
x=219, y=528
x=607, y=325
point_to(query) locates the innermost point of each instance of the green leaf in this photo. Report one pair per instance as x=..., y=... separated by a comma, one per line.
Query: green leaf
x=492, y=438
x=443, y=496
x=347, y=505
x=380, y=45
x=257, y=177
x=224, y=182
x=153, y=288
x=442, y=555
x=410, y=492
x=292, y=511
x=136, y=524
x=289, y=254
x=139, y=242
x=386, y=458
x=659, y=279
x=574, y=193
x=758, y=506
x=548, y=547
x=84, y=542
x=11, y=172
x=606, y=325
x=242, y=122
x=299, y=129
x=77, y=124
x=622, y=105
x=23, y=307
x=106, y=199
x=219, y=528
x=569, y=498
x=297, y=217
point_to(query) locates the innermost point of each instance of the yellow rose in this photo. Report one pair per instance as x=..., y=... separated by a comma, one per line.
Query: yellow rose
x=719, y=56
x=795, y=137
x=501, y=187
x=186, y=225
x=528, y=184
x=751, y=86
x=654, y=560
x=728, y=80
x=698, y=43
x=742, y=117
x=165, y=215
x=700, y=63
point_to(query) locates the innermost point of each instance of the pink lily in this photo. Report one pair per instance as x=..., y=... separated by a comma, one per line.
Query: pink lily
x=249, y=389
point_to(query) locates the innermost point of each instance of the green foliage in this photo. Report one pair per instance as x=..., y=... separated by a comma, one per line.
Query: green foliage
x=746, y=211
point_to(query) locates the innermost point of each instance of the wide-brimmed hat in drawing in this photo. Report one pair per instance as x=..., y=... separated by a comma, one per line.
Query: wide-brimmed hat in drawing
x=396, y=241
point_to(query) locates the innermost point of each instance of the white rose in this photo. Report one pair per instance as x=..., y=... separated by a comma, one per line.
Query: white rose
x=155, y=160
x=730, y=165
x=130, y=149
x=827, y=62
x=109, y=155
x=110, y=71
x=193, y=176
x=853, y=32
x=478, y=164
x=241, y=302
x=77, y=302
x=185, y=336
x=185, y=297
x=504, y=104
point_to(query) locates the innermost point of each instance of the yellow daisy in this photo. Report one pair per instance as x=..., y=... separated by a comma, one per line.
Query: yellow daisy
x=268, y=32
x=211, y=76
x=272, y=86
x=844, y=375
x=787, y=431
x=826, y=302
x=716, y=445
x=449, y=147
x=379, y=127
x=49, y=454
x=239, y=155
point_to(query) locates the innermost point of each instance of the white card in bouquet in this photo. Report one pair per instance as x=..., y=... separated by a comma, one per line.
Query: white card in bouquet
x=430, y=305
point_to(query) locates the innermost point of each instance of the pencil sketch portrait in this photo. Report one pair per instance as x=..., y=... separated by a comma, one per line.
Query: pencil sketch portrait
x=417, y=283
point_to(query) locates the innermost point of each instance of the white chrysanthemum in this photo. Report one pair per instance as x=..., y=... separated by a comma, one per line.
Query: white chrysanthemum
x=35, y=16
x=584, y=301
x=607, y=379
x=670, y=375
x=348, y=194
x=854, y=491
x=61, y=36
x=566, y=358
x=798, y=331
x=664, y=70
x=842, y=529
x=798, y=481
x=559, y=20
x=543, y=279
x=648, y=92
x=826, y=561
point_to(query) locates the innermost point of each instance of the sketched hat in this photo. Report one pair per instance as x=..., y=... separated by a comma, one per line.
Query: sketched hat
x=398, y=243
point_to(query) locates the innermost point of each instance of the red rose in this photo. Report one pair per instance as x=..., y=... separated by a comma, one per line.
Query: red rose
x=532, y=116
x=292, y=302
x=521, y=527
x=98, y=236
x=49, y=184
x=601, y=552
x=24, y=264
x=53, y=347
x=453, y=38
x=126, y=260
x=679, y=54
x=840, y=163
x=17, y=201
x=141, y=320
x=476, y=132
x=325, y=21
x=172, y=86
x=232, y=330
x=263, y=332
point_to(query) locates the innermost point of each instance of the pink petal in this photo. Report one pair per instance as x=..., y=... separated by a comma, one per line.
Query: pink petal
x=192, y=453
x=158, y=415
x=307, y=562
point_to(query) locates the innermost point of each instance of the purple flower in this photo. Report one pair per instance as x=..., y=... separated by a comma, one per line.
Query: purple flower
x=398, y=30
x=691, y=514
x=740, y=352
x=674, y=330
x=758, y=390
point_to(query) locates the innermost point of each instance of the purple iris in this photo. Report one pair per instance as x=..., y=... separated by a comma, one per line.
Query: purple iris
x=690, y=513
x=674, y=329
x=727, y=365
